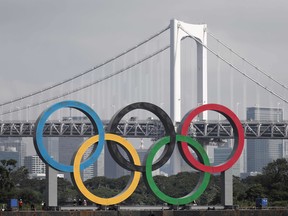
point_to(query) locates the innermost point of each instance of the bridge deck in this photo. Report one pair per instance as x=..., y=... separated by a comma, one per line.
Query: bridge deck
x=149, y=129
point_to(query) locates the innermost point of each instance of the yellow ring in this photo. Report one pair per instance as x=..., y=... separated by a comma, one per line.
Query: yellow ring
x=135, y=177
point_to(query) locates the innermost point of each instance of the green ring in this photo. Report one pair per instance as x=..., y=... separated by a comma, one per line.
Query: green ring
x=204, y=177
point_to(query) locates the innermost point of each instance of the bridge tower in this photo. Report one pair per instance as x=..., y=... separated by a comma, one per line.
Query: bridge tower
x=178, y=31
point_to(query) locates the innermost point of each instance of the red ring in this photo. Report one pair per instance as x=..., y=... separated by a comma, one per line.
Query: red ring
x=238, y=137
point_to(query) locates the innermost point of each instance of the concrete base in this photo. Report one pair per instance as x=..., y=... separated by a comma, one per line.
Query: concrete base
x=211, y=212
x=51, y=187
x=227, y=188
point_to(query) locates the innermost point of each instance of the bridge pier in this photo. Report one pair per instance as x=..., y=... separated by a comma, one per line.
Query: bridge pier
x=226, y=183
x=51, y=188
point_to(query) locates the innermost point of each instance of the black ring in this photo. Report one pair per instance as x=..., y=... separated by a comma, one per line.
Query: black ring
x=169, y=131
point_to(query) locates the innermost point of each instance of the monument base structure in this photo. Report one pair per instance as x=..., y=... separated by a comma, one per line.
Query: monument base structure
x=51, y=188
x=226, y=180
x=206, y=212
x=169, y=141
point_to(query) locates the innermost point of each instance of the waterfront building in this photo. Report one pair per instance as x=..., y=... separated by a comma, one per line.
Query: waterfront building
x=260, y=152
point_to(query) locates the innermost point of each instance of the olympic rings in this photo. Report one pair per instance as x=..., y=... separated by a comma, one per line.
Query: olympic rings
x=134, y=179
x=134, y=164
x=204, y=177
x=169, y=131
x=40, y=123
x=238, y=137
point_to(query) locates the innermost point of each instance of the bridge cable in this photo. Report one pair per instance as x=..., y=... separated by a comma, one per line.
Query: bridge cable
x=89, y=70
x=237, y=69
x=92, y=83
x=248, y=62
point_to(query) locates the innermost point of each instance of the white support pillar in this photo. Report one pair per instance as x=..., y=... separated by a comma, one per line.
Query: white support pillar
x=226, y=181
x=175, y=75
x=176, y=35
x=202, y=86
x=179, y=30
x=51, y=187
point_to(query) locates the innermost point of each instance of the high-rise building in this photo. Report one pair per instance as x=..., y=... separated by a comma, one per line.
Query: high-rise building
x=13, y=148
x=210, y=153
x=35, y=166
x=221, y=155
x=286, y=148
x=52, y=146
x=99, y=165
x=68, y=146
x=113, y=170
x=88, y=172
x=7, y=155
x=260, y=152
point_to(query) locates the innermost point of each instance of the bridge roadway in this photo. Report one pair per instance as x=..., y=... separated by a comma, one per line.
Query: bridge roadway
x=149, y=129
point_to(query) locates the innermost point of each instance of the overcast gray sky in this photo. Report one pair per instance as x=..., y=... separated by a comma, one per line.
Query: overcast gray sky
x=45, y=41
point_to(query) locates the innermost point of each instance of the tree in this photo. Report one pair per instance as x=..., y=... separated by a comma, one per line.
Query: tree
x=275, y=176
x=6, y=167
x=271, y=184
x=255, y=191
x=66, y=192
x=239, y=191
x=276, y=171
x=19, y=176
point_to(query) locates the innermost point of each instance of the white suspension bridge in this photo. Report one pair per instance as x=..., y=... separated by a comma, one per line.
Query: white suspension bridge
x=142, y=74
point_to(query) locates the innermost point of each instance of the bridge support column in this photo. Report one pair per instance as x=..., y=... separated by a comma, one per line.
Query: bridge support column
x=178, y=31
x=226, y=182
x=51, y=187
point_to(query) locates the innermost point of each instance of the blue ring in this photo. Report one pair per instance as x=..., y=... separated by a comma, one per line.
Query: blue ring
x=39, y=127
